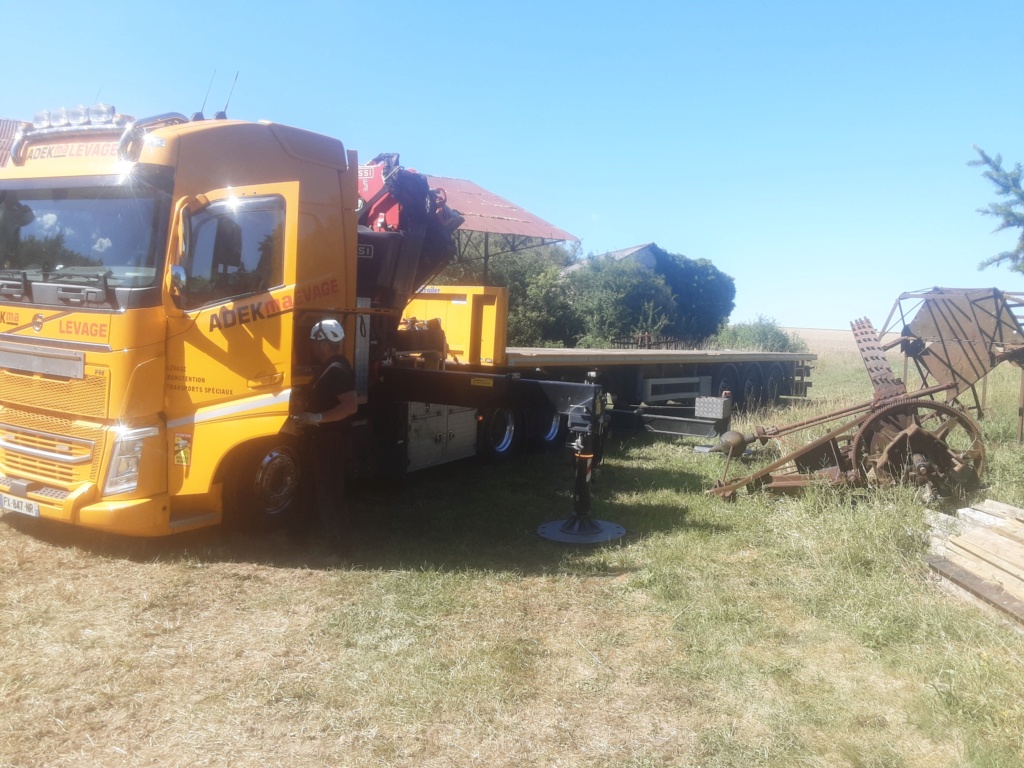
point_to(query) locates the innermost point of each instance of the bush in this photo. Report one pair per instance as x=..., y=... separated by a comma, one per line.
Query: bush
x=762, y=335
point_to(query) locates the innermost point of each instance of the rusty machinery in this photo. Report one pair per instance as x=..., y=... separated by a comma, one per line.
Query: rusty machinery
x=927, y=437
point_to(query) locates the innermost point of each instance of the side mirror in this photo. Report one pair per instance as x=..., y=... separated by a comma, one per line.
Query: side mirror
x=179, y=283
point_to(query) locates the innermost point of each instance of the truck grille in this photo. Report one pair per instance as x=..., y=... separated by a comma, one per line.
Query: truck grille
x=49, y=449
x=84, y=397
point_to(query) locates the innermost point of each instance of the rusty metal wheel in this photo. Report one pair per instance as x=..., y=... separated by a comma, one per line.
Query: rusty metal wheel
x=922, y=443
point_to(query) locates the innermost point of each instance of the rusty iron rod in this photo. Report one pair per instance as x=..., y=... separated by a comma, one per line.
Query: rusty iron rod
x=737, y=484
x=1020, y=410
x=866, y=405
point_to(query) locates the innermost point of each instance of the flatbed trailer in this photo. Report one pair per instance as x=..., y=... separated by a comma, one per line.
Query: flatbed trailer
x=669, y=391
x=753, y=378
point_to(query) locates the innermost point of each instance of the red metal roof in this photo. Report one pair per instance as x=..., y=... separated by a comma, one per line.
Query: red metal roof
x=487, y=212
x=7, y=130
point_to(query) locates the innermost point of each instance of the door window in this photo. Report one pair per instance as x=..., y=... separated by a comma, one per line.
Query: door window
x=237, y=249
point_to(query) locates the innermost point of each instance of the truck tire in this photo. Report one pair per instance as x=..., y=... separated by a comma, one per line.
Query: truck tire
x=546, y=430
x=774, y=384
x=727, y=379
x=751, y=386
x=264, y=484
x=500, y=434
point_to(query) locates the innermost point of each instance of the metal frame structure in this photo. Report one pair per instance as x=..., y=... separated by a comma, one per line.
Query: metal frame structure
x=956, y=337
x=925, y=437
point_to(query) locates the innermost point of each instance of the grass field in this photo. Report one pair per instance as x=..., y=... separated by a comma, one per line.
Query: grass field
x=769, y=632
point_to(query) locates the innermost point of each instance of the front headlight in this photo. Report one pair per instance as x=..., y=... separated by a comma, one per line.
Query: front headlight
x=123, y=475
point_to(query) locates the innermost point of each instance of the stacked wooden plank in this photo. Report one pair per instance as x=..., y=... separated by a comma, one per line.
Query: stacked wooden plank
x=981, y=551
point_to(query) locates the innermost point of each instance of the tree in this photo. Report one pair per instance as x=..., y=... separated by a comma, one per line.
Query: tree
x=704, y=294
x=617, y=298
x=602, y=298
x=1009, y=213
x=541, y=315
x=50, y=252
x=539, y=312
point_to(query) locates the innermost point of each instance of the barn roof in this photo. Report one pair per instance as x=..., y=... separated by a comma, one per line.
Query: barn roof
x=485, y=211
x=7, y=130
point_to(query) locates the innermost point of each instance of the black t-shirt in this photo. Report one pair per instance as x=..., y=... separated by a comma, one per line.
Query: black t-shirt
x=335, y=378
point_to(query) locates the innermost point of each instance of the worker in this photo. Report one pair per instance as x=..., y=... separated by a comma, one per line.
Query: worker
x=331, y=401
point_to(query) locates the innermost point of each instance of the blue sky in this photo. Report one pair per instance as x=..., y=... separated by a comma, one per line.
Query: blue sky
x=814, y=151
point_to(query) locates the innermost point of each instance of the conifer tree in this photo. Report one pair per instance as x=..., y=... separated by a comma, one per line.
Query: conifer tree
x=1010, y=213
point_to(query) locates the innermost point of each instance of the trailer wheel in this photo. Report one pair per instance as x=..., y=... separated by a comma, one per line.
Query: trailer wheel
x=499, y=434
x=750, y=389
x=264, y=484
x=774, y=384
x=727, y=379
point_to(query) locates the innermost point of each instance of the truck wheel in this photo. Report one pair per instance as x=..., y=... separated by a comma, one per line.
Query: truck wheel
x=500, y=433
x=751, y=387
x=264, y=484
x=546, y=430
x=774, y=384
x=727, y=379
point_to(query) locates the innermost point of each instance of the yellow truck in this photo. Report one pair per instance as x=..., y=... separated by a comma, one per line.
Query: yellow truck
x=159, y=278
x=158, y=282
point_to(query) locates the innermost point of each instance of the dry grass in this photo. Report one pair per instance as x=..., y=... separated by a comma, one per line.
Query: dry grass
x=826, y=342
x=766, y=633
x=175, y=660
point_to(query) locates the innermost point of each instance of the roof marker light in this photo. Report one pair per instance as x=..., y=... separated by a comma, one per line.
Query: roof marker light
x=78, y=115
x=41, y=119
x=101, y=113
x=59, y=117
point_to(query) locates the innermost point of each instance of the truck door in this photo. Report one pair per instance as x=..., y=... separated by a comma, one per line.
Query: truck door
x=229, y=352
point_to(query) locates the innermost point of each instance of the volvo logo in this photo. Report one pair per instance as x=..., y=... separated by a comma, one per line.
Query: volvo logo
x=37, y=322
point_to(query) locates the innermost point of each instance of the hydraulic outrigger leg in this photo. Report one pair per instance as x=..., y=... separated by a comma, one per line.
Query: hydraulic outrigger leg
x=581, y=528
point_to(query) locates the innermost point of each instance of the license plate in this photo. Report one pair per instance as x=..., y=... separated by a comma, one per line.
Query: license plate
x=22, y=506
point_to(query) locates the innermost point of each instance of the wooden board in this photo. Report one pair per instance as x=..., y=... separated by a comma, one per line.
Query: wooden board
x=991, y=594
x=981, y=550
x=1000, y=509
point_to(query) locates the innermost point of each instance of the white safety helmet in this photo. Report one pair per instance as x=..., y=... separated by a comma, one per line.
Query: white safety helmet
x=329, y=329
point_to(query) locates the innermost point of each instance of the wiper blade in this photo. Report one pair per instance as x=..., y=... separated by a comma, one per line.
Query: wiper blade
x=69, y=278
x=79, y=277
x=80, y=297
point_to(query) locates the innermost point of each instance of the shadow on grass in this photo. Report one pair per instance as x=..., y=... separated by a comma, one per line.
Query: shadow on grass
x=454, y=517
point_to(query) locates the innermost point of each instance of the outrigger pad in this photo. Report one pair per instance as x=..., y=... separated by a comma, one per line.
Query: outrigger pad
x=580, y=529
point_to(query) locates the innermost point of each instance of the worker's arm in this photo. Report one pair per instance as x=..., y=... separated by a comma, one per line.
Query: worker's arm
x=347, y=406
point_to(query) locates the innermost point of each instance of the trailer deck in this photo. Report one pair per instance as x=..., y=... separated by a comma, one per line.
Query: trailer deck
x=537, y=357
x=474, y=322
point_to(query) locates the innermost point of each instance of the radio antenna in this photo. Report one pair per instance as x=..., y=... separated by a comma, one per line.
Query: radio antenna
x=199, y=115
x=222, y=115
x=97, y=99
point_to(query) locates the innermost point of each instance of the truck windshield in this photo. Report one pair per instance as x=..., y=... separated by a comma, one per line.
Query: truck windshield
x=113, y=234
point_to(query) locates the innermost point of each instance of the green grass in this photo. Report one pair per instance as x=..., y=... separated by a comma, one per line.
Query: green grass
x=799, y=631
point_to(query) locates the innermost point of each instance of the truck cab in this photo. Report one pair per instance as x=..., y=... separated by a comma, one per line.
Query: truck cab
x=150, y=301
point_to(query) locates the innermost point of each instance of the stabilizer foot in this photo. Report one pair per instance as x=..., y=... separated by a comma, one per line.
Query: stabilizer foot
x=580, y=529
